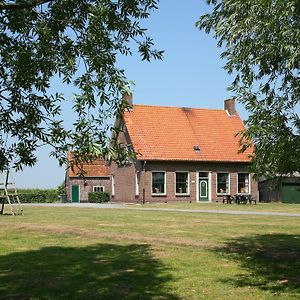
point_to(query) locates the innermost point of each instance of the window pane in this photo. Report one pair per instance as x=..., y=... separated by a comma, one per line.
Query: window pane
x=222, y=183
x=158, y=182
x=203, y=175
x=182, y=182
x=243, y=183
x=137, y=183
x=98, y=189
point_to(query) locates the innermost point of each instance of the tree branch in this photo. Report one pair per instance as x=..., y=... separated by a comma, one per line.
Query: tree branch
x=8, y=6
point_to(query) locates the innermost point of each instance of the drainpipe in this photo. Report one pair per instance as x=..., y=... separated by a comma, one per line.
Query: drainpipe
x=144, y=192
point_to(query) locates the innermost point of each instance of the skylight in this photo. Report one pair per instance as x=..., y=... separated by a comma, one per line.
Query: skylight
x=196, y=148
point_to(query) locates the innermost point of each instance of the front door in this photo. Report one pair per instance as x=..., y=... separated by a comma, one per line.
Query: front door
x=203, y=186
x=75, y=193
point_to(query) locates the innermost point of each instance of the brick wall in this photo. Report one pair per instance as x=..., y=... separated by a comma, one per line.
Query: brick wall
x=125, y=176
x=86, y=186
x=193, y=168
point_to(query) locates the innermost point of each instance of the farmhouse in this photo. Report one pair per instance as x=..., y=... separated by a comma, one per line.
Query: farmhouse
x=96, y=179
x=183, y=154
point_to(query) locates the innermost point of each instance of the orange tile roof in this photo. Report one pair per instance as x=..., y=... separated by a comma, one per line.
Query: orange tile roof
x=170, y=133
x=97, y=168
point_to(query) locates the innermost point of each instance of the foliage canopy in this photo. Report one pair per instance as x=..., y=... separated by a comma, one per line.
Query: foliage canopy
x=77, y=43
x=261, y=45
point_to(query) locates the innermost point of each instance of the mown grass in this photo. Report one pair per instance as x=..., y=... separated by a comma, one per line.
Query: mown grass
x=77, y=253
x=263, y=207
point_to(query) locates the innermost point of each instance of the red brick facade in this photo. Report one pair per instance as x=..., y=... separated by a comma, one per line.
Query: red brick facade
x=86, y=186
x=97, y=174
x=125, y=180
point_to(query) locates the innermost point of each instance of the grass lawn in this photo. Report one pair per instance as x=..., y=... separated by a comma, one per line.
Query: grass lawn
x=78, y=253
x=263, y=207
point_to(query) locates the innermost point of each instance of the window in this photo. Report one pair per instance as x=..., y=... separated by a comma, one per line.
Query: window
x=203, y=175
x=182, y=183
x=243, y=183
x=222, y=183
x=137, y=183
x=98, y=188
x=159, y=183
x=112, y=185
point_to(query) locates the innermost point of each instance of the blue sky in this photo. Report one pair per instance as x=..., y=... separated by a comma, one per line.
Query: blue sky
x=190, y=75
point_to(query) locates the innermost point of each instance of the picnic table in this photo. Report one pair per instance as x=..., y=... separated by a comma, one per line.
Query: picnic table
x=239, y=199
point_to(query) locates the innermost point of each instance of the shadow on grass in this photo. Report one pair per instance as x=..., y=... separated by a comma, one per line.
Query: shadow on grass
x=272, y=262
x=103, y=271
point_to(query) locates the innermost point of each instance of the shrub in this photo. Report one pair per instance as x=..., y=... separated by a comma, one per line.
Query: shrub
x=98, y=197
x=61, y=189
x=38, y=195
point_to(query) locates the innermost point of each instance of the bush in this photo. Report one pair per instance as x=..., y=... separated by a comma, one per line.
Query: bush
x=38, y=195
x=98, y=197
x=61, y=189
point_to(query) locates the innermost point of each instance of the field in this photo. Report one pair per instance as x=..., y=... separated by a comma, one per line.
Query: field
x=78, y=253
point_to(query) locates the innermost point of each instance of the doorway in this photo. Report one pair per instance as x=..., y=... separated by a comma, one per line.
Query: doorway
x=75, y=193
x=203, y=186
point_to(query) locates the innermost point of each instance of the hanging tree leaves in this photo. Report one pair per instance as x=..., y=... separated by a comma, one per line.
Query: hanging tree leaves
x=261, y=41
x=77, y=42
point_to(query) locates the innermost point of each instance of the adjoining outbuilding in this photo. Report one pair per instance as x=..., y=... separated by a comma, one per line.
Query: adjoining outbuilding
x=96, y=179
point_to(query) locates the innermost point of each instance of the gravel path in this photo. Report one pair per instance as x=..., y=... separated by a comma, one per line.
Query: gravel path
x=131, y=207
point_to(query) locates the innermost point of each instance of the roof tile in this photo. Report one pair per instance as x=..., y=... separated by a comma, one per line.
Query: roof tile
x=97, y=168
x=170, y=133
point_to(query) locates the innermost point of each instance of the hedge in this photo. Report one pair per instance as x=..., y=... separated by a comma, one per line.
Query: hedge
x=98, y=197
x=38, y=195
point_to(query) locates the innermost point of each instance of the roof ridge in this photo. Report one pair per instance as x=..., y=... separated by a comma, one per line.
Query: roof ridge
x=179, y=107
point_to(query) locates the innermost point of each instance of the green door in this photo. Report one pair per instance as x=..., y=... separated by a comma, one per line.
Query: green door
x=75, y=193
x=290, y=193
x=203, y=189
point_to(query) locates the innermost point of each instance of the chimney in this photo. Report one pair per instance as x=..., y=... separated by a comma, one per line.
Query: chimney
x=127, y=96
x=229, y=106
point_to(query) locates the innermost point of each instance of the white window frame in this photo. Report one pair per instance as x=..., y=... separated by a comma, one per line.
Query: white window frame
x=165, y=183
x=249, y=183
x=137, y=183
x=112, y=185
x=226, y=193
x=99, y=186
x=188, y=186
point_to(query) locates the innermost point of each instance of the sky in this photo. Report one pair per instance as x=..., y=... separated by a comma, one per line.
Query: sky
x=191, y=75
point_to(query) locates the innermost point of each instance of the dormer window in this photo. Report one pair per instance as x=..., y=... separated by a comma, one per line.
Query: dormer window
x=196, y=148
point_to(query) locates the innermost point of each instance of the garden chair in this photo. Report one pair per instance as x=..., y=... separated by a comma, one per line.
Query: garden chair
x=228, y=199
